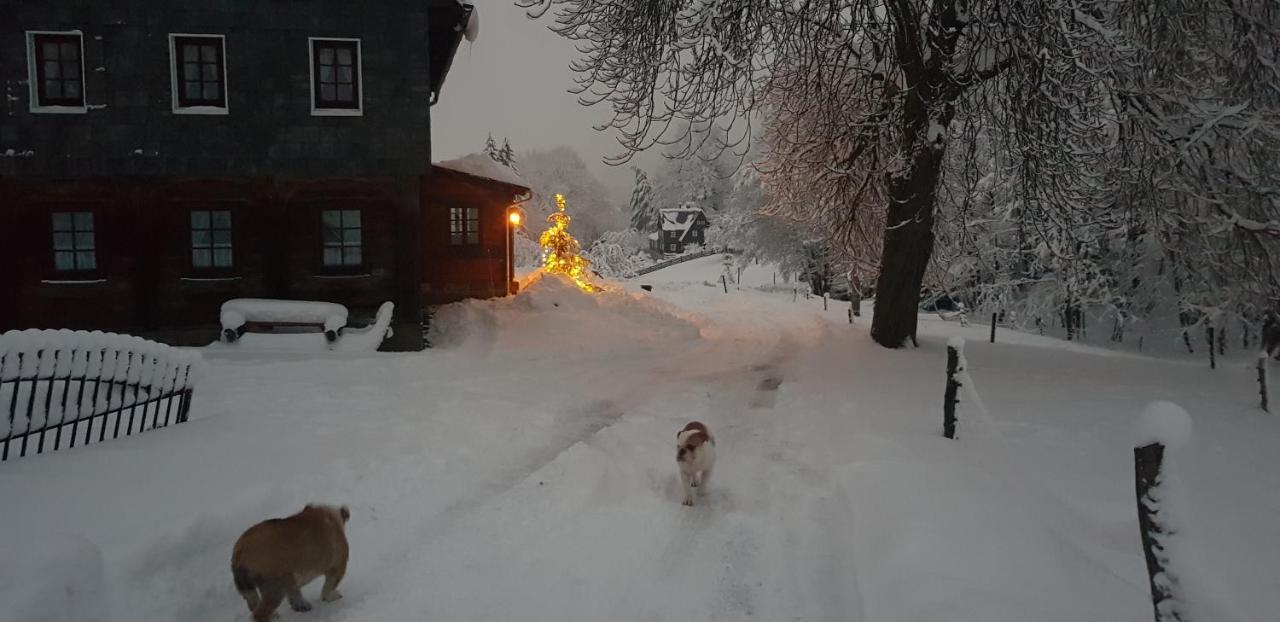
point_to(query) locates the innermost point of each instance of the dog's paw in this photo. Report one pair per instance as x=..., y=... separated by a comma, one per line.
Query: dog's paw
x=688, y=501
x=331, y=596
x=301, y=606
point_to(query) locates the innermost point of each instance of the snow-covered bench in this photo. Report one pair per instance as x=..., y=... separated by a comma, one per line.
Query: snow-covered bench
x=241, y=315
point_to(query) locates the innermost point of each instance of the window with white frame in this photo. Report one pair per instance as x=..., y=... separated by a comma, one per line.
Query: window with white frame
x=75, y=244
x=56, y=71
x=343, y=238
x=335, y=77
x=211, y=239
x=199, y=73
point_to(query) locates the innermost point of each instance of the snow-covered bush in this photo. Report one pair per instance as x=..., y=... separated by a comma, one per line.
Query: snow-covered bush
x=618, y=254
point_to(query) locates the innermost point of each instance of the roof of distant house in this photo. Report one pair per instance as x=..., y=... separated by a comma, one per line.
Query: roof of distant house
x=484, y=167
x=681, y=219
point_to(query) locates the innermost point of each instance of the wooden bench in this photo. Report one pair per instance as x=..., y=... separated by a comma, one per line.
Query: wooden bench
x=264, y=315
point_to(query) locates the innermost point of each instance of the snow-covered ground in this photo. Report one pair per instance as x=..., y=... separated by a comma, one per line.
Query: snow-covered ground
x=525, y=471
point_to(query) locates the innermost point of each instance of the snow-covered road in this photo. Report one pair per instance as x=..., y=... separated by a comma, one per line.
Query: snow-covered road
x=525, y=471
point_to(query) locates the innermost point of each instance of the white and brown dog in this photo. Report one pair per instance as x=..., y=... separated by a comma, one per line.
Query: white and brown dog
x=695, y=457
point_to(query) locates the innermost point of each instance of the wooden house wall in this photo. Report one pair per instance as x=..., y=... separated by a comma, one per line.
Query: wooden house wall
x=450, y=272
x=146, y=283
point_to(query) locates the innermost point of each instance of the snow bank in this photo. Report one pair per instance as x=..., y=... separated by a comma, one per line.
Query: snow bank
x=481, y=165
x=550, y=309
x=1165, y=423
x=238, y=310
x=51, y=578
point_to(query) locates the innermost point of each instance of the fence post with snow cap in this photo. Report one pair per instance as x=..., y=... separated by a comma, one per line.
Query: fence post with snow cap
x=1161, y=426
x=955, y=366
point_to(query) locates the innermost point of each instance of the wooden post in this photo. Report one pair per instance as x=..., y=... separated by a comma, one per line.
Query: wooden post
x=1147, y=464
x=775, y=278
x=739, y=277
x=794, y=290
x=1139, y=343
x=1222, y=341
x=1262, y=380
x=1208, y=335
x=993, y=327
x=950, y=398
x=725, y=283
x=824, y=301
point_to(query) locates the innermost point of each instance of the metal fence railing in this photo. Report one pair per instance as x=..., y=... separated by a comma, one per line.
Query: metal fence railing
x=61, y=388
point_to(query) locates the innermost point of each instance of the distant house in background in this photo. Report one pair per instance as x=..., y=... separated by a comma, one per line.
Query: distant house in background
x=154, y=164
x=679, y=227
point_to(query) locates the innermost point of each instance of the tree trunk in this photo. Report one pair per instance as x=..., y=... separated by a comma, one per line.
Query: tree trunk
x=908, y=245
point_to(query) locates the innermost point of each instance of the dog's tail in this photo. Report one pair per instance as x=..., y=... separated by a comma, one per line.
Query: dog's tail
x=243, y=579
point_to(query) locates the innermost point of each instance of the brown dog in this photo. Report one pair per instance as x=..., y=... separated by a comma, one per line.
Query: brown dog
x=276, y=558
x=695, y=457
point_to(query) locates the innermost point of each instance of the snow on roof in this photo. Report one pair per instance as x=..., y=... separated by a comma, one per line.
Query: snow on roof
x=680, y=219
x=483, y=166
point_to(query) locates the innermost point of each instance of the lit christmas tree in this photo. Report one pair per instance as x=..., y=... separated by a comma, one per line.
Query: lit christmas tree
x=560, y=251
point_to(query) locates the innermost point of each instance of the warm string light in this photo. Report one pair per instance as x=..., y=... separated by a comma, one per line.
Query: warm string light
x=561, y=252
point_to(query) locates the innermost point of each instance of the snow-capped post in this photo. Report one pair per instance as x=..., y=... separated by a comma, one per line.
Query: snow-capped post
x=955, y=366
x=1161, y=426
x=994, y=315
x=1262, y=379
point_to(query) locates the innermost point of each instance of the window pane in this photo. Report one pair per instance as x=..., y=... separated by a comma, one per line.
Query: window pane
x=326, y=73
x=62, y=221
x=84, y=241
x=53, y=88
x=328, y=93
x=72, y=89
x=473, y=237
x=84, y=221
x=345, y=93
x=73, y=71
x=344, y=56
x=351, y=218
x=473, y=213
x=209, y=53
x=63, y=241
x=333, y=256
x=193, y=90
x=332, y=235
x=52, y=69
x=199, y=219
x=49, y=50
x=344, y=74
x=86, y=260
x=64, y=261
x=70, y=51
x=351, y=236
x=200, y=237
x=455, y=238
x=190, y=71
x=326, y=56
x=200, y=257
x=211, y=91
x=331, y=218
x=351, y=256
x=222, y=258
x=221, y=237
x=221, y=219
x=210, y=72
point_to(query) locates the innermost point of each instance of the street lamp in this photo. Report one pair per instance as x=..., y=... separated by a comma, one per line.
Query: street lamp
x=513, y=221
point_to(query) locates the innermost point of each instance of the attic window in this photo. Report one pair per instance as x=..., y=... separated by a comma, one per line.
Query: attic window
x=335, y=77
x=56, y=71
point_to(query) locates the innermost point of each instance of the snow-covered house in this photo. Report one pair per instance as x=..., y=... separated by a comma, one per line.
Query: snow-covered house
x=679, y=227
x=157, y=159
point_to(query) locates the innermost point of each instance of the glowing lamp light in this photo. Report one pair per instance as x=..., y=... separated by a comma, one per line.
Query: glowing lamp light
x=514, y=219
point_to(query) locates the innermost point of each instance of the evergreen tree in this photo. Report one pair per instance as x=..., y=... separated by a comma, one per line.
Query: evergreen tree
x=491, y=149
x=507, y=156
x=644, y=212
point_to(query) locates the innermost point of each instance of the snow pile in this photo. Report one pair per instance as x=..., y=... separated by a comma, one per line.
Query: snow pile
x=237, y=311
x=50, y=578
x=550, y=309
x=481, y=165
x=1165, y=423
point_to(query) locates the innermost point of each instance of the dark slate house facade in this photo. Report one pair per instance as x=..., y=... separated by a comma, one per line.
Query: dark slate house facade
x=678, y=227
x=158, y=158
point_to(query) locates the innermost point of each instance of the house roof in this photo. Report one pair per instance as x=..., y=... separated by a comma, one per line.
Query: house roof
x=481, y=166
x=448, y=23
x=682, y=220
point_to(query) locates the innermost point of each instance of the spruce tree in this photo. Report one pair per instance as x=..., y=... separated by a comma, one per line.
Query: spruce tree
x=643, y=212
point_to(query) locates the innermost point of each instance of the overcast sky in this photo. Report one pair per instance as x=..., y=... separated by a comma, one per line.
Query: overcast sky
x=513, y=82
